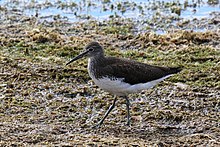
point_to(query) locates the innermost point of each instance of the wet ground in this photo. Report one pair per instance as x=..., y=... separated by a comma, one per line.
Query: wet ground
x=43, y=102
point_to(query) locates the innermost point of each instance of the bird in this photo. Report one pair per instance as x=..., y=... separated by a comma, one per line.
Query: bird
x=120, y=76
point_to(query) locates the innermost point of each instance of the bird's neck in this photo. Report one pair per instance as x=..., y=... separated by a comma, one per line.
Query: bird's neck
x=94, y=64
x=97, y=60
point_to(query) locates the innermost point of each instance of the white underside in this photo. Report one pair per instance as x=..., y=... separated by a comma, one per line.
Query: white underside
x=120, y=88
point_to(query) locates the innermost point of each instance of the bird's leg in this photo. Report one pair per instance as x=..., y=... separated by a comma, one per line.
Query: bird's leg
x=106, y=114
x=128, y=111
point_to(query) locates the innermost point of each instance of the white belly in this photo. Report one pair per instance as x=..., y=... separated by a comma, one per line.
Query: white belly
x=120, y=88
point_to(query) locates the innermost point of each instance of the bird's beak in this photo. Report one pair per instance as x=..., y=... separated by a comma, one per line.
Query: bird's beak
x=78, y=57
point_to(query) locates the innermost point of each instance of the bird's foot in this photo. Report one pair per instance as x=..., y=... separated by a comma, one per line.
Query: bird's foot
x=98, y=125
x=128, y=124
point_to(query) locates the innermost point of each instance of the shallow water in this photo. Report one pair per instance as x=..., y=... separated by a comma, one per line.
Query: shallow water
x=97, y=9
x=45, y=103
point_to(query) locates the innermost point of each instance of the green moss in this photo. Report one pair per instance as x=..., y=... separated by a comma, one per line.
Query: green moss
x=40, y=94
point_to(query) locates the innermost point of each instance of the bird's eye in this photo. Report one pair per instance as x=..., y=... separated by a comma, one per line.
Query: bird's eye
x=91, y=49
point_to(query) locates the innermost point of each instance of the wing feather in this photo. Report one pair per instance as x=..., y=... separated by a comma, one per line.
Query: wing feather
x=135, y=72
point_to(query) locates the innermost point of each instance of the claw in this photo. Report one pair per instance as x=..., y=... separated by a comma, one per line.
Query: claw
x=97, y=126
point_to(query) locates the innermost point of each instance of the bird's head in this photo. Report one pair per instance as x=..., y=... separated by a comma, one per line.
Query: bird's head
x=93, y=49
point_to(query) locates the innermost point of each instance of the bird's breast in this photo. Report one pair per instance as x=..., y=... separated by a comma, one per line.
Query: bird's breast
x=118, y=86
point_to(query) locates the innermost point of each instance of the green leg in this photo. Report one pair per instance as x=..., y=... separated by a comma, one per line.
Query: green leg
x=106, y=114
x=128, y=111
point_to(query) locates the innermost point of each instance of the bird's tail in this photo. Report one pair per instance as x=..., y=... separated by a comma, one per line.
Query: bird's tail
x=174, y=70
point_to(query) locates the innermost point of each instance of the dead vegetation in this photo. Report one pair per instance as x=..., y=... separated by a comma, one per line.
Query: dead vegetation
x=43, y=102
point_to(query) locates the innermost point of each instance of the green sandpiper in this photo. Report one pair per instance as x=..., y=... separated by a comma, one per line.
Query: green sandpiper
x=120, y=76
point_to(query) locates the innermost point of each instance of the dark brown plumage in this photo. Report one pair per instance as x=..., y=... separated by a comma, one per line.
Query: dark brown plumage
x=131, y=71
x=121, y=76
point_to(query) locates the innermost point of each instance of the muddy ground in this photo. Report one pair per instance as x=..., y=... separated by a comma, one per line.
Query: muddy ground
x=44, y=102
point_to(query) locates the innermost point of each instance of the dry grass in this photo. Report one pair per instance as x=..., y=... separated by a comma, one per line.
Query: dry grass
x=43, y=102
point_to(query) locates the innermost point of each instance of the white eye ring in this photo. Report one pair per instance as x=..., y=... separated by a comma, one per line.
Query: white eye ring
x=91, y=49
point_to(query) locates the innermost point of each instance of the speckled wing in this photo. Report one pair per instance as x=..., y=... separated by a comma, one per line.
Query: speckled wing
x=134, y=72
